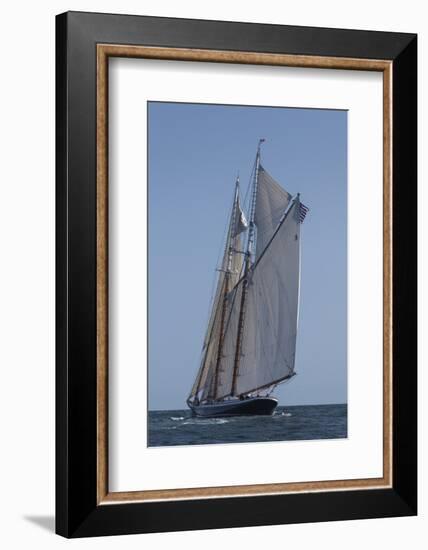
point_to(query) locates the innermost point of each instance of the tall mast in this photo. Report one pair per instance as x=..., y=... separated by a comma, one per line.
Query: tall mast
x=226, y=285
x=250, y=243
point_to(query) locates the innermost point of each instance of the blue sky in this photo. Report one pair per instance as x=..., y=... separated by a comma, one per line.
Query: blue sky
x=195, y=153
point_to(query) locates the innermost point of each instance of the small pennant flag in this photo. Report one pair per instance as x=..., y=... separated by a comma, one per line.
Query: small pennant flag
x=241, y=223
x=303, y=210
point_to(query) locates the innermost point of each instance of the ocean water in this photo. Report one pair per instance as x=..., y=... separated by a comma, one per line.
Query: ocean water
x=179, y=427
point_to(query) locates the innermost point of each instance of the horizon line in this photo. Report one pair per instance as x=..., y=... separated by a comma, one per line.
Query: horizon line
x=279, y=405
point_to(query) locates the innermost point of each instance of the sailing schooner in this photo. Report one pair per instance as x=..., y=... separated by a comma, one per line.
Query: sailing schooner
x=250, y=342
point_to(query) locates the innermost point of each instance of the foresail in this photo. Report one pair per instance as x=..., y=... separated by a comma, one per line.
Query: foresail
x=210, y=345
x=269, y=336
x=272, y=202
x=229, y=273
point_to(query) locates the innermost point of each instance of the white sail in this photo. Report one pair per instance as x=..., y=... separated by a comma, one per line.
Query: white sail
x=271, y=314
x=250, y=343
x=272, y=202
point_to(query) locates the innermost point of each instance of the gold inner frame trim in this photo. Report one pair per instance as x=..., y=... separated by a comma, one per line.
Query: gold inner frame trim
x=104, y=51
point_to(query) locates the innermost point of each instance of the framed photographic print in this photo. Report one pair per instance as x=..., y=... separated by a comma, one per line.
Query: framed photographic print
x=236, y=274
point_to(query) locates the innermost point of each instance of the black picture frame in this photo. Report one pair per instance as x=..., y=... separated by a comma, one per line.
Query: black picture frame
x=77, y=511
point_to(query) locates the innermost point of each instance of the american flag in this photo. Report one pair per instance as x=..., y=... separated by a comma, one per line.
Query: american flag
x=303, y=210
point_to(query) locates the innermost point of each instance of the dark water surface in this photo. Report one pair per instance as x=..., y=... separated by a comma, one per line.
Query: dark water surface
x=287, y=424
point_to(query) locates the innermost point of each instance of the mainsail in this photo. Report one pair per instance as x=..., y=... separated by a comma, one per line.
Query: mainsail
x=269, y=338
x=250, y=342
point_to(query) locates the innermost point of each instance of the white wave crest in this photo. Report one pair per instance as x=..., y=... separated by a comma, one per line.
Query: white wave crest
x=206, y=421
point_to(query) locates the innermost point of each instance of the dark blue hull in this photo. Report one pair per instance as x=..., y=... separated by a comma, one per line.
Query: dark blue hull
x=238, y=407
